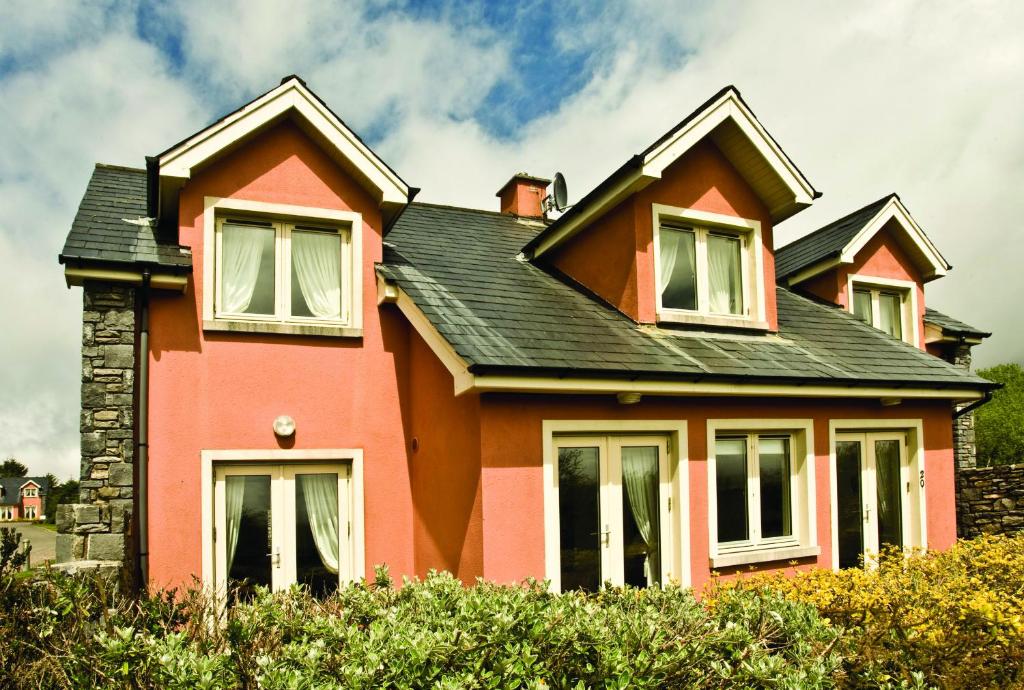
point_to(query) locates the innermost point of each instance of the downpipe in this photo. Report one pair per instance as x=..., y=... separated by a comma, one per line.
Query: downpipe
x=143, y=441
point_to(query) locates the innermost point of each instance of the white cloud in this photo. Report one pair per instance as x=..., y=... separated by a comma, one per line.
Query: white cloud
x=915, y=97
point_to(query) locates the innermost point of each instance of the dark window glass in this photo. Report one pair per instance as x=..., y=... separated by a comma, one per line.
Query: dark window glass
x=731, y=489
x=849, y=499
x=678, y=268
x=774, y=471
x=579, y=518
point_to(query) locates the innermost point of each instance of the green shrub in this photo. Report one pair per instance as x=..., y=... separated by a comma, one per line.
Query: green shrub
x=72, y=632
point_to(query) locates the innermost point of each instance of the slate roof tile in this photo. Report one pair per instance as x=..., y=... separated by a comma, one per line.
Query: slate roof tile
x=824, y=242
x=502, y=313
x=100, y=231
x=951, y=325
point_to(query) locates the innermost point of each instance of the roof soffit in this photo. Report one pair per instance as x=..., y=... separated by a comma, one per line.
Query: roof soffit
x=731, y=125
x=292, y=99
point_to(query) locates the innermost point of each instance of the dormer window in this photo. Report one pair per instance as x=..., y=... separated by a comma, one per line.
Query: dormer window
x=886, y=304
x=275, y=268
x=30, y=492
x=708, y=268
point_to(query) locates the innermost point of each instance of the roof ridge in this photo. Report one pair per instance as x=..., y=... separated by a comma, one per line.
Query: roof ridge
x=114, y=166
x=510, y=216
x=837, y=221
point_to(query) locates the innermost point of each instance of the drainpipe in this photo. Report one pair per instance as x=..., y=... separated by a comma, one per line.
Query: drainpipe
x=143, y=459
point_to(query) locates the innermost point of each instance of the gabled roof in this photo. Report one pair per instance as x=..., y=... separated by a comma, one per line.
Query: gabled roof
x=12, y=488
x=839, y=241
x=951, y=326
x=735, y=130
x=111, y=228
x=500, y=314
x=291, y=99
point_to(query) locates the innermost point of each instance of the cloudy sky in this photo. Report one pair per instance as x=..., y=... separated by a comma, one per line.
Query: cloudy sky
x=922, y=98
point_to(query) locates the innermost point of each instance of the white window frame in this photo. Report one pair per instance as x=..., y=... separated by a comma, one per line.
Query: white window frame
x=752, y=266
x=907, y=289
x=674, y=485
x=915, y=525
x=6, y=513
x=30, y=492
x=804, y=540
x=283, y=217
x=212, y=459
x=30, y=512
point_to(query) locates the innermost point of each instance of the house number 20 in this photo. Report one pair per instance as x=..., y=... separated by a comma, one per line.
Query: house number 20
x=922, y=479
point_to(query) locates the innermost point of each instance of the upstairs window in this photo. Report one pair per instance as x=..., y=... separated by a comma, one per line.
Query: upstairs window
x=281, y=271
x=30, y=492
x=886, y=304
x=707, y=272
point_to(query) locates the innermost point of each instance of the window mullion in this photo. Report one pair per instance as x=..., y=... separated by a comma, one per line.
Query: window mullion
x=876, y=303
x=284, y=283
x=701, y=257
x=754, y=495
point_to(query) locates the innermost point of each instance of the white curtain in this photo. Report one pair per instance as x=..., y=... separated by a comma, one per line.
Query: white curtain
x=320, y=492
x=724, y=275
x=316, y=258
x=640, y=477
x=234, y=494
x=240, y=266
x=668, y=250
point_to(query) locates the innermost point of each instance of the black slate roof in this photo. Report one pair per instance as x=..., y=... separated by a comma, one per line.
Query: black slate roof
x=11, y=494
x=952, y=326
x=101, y=231
x=824, y=242
x=504, y=314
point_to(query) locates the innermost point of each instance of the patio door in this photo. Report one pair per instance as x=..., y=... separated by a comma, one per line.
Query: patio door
x=612, y=510
x=872, y=492
x=279, y=525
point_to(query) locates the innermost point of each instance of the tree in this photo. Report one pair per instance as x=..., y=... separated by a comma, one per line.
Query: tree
x=12, y=468
x=999, y=424
x=60, y=493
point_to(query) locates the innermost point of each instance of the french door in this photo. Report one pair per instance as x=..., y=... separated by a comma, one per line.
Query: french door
x=873, y=492
x=277, y=525
x=613, y=503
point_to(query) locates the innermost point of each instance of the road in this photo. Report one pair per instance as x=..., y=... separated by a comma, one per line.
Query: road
x=44, y=541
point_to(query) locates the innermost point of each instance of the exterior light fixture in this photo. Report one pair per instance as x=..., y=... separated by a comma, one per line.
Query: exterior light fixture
x=284, y=426
x=890, y=402
x=629, y=398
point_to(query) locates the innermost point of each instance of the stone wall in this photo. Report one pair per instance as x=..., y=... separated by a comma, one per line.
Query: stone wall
x=98, y=530
x=991, y=500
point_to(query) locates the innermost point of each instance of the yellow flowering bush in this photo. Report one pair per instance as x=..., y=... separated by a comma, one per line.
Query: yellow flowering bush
x=950, y=619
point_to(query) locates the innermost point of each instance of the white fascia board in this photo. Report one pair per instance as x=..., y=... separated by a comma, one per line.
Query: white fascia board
x=730, y=106
x=292, y=95
x=896, y=210
x=656, y=161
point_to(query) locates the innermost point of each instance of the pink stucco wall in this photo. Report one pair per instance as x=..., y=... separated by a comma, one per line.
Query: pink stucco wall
x=223, y=390
x=614, y=257
x=513, y=499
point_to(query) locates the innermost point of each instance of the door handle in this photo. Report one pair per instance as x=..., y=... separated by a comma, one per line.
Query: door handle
x=867, y=512
x=604, y=535
x=275, y=557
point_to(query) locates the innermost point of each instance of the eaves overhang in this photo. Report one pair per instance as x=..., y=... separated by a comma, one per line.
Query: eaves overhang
x=736, y=131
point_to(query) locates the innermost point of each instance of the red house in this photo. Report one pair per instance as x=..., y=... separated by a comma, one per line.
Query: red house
x=23, y=498
x=293, y=372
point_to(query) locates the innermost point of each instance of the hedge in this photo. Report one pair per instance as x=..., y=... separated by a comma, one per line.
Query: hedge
x=895, y=626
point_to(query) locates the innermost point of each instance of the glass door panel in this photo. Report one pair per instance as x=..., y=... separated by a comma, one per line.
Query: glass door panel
x=641, y=515
x=579, y=517
x=849, y=503
x=887, y=479
x=317, y=536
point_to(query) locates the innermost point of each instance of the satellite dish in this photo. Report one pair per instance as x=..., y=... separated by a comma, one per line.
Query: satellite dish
x=559, y=194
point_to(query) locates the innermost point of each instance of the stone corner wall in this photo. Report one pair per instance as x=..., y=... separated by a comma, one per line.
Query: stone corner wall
x=991, y=500
x=98, y=530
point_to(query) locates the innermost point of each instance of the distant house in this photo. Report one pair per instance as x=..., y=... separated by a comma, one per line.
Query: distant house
x=23, y=498
x=293, y=372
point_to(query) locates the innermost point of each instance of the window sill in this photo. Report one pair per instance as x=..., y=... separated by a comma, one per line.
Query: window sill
x=709, y=320
x=224, y=326
x=785, y=553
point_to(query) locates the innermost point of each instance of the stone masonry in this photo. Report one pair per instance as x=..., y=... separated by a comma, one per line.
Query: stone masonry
x=991, y=500
x=98, y=530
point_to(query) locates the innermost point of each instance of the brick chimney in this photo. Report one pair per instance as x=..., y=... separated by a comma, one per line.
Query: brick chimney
x=522, y=195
